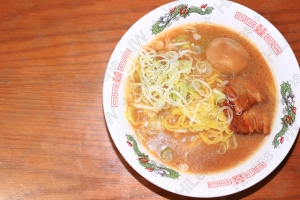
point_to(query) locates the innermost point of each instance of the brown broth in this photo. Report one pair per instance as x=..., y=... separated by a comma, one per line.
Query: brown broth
x=204, y=158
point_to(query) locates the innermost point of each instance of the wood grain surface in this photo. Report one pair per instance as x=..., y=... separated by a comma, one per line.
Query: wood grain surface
x=54, y=142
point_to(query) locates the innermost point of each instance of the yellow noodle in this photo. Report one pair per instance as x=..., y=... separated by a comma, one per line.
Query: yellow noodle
x=170, y=127
x=212, y=79
x=129, y=115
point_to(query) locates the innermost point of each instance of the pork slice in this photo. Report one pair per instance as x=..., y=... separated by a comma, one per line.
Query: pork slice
x=254, y=120
x=247, y=94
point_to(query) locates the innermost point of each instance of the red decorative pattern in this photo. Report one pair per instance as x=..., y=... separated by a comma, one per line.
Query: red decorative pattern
x=238, y=179
x=115, y=89
x=213, y=184
x=250, y=22
x=225, y=182
x=269, y=39
x=114, y=101
x=260, y=166
x=122, y=65
x=276, y=48
x=173, y=9
x=294, y=109
x=281, y=140
x=118, y=77
x=250, y=173
x=203, y=6
x=184, y=10
x=288, y=120
x=129, y=143
x=240, y=16
x=127, y=54
x=260, y=31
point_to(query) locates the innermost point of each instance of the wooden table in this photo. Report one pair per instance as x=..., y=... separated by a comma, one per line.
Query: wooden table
x=54, y=143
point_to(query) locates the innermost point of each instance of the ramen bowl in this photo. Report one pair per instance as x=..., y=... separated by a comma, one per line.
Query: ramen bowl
x=275, y=50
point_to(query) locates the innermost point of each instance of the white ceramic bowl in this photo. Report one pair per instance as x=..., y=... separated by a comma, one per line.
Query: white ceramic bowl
x=285, y=69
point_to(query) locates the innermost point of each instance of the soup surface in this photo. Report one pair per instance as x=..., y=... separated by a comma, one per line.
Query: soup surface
x=197, y=149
